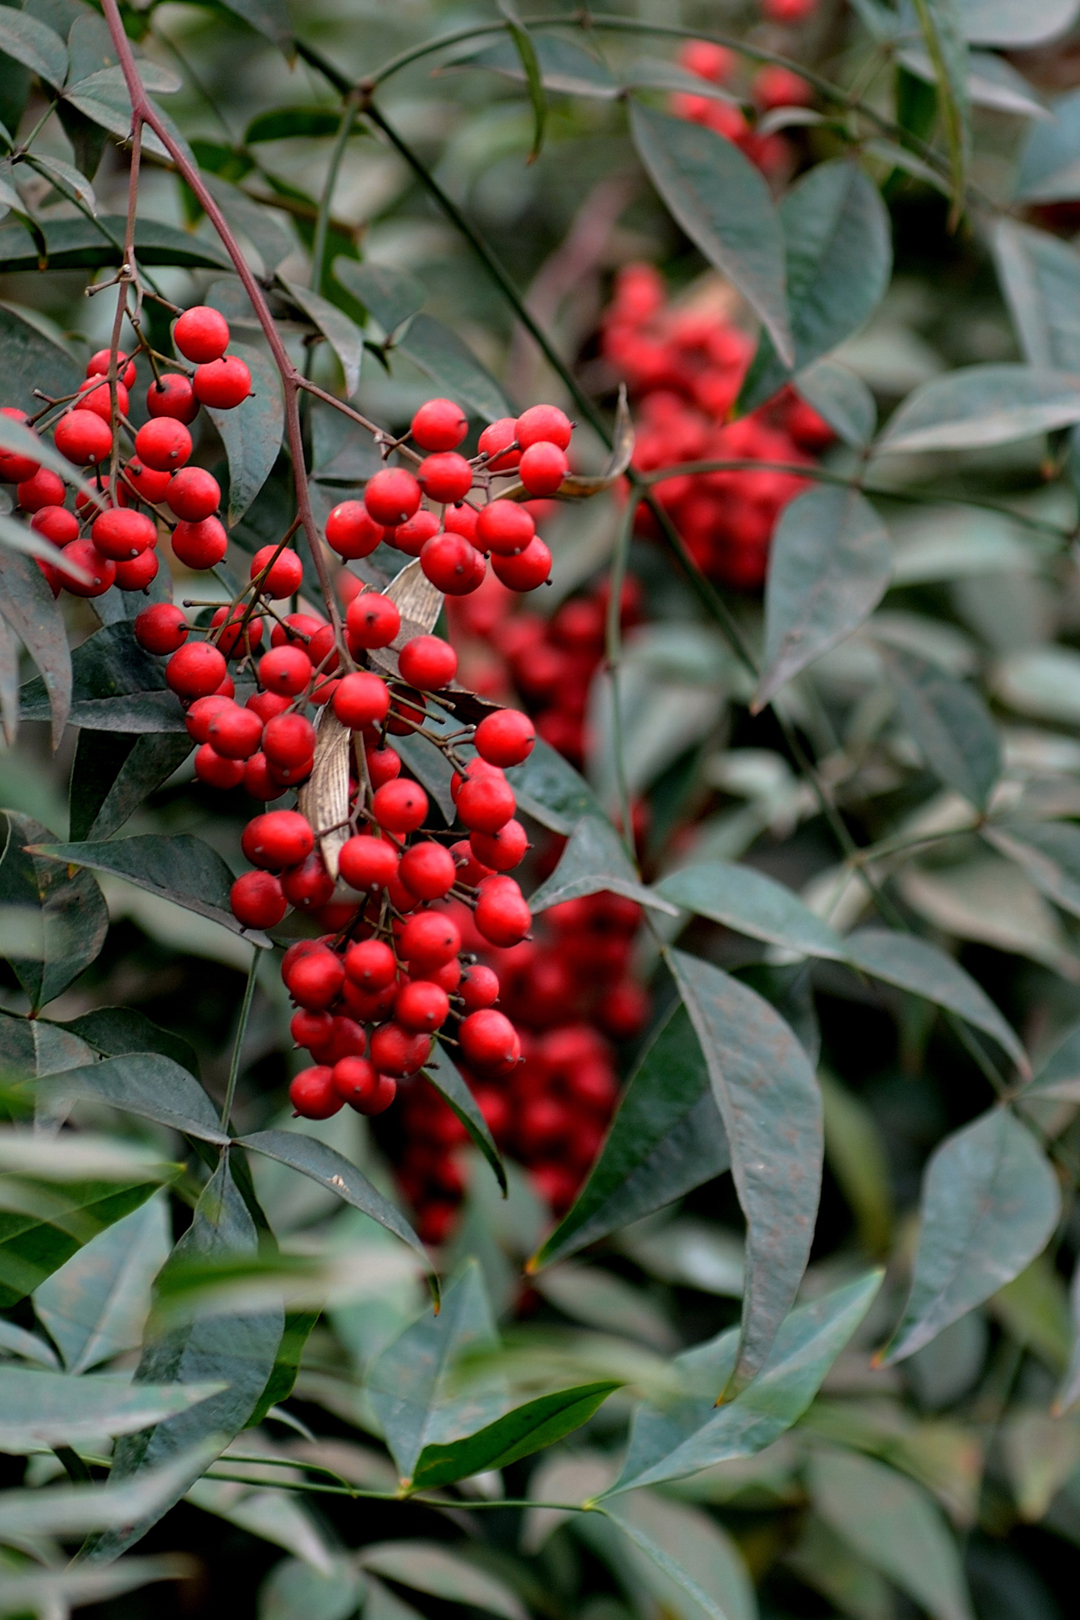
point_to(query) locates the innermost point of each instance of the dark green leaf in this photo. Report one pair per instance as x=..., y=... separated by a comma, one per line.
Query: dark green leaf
x=342, y=335
x=15, y=80
x=16, y=436
x=527, y=55
x=520, y=1433
x=595, y=860
x=262, y=226
x=268, y=17
x=82, y=244
x=678, y=1582
x=285, y=123
x=838, y=255
x=9, y=683
x=251, y=433
x=1048, y=852
x=103, y=97
x=57, y=1409
x=452, y=1088
x=116, y=686
x=33, y=1047
x=294, y=1588
x=34, y=44
x=430, y=1566
x=842, y=399
x=830, y=566
x=430, y=766
x=989, y=1203
x=279, y=1386
x=67, y=909
x=1040, y=277
x=43, y=1224
x=59, y=1510
x=49, y=1591
x=88, y=140
x=1049, y=170
x=116, y=1031
x=452, y=367
x=551, y=791
x=148, y=1085
x=564, y=67
x=692, y=1432
x=748, y=901
x=236, y=1351
x=113, y=773
x=666, y=1139
x=1059, y=1075
x=949, y=721
x=32, y=360
x=722, y=203
x=392, y=296
x=979, y=406
x=334, y=1172
x=26, y=542
x=767, y=1096
x=90, y=48
x=941, y=22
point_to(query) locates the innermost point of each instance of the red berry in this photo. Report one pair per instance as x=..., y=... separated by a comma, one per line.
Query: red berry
x=172, y=395
x=479, y=987
x=372, y=621
x=312, y=1093
x=370, y=964
x=421, y=1007
x=530, y=568
x=14, y=467
x=80, y=436
x=195, y=670
x=85, y=555
x=367, y=863
x=201, y=334
x=502, y=914
x=440, y=424
x=315, y=980
x=462, y=520
x=504, y=528
x=362, y=1088
x=291, y=775
x=223, y=384
x=285, y=670
x=234, y=732
x=347, y=1040
x=296, y=629
x=277, y=839
x=150, y=484
x=258, y=781
x=308, y=885
x=193, y=494
x=161, y=628
x=488, y=1039
x=428, y=870
x=485, y=803
x=202, y=711
x=321, y=649
x=501, y=850
x=98, y=366
x=352, y=531
x=163, y=443
x=400, y=806
x=216, y=771
x=452, y=564
x=267, y=704
x=623, y=1011
x=257, y=900
x=42, y=488
x=544, y=423
x=428, y=939
x=493, y=443
x=122, y=534
x=392, y=496
x=543, y=467
x=235, y=638
x=200, y=545
x=56, y=523
x=288, y=739
x=445, y=477
x=412, y=537
x=361, y=699
x=395, y=1051
x=383, y=766
x=95, y=396
x=285, y=573
x=470, y=871
x=505, y=738
x=136, y=573
x=427, y=662
x=311, y=1028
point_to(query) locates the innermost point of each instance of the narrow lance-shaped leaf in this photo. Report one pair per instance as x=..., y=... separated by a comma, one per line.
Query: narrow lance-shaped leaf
x=393, y=296
x=765, y=1090
x=979, y=406
x=43, y=1223
x=1069, y=1391
x=36, y=45
x=1040, y=277
x=114, y=773
x=50, y=1591
x=58, y=1409
x=28, y=605
x=990, y=1202
x=751, y=903
x=520, y=1433
x=942, y=28
x=1048, y=852
x=444, y=1076
x=251, y=433
x=339, y=331
x=116, y=1031
x=707, y=1558
x=430, y=1566
x=842, y=398
x=68, y=909
x=595, y=860
x=949, y=722
x=550, y=789
x=63, y=1510
x=527, y=53
x=680, y=1578
x=9, y=683
x=453, y=367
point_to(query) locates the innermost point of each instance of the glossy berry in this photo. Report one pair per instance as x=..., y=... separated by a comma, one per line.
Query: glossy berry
x=312, y=1093
x=421, y=1007
x=445, y=477
x=358, y=1083
x=215, y=770
x=311, y=1029
x=200, y=545
x=452, y=564
x=502, y=914
x=193, y=494
x=352, y=531
x=400, y=806
x=201, y=334
x=308, y=885
x=543, y=467
x=485, y=803
x=15, y=468
x=42, y=488
x=163, y=443
x=315, y=980
x=440, y=424
x=370, y=964
x=223, y=384
x=161, y=628
x=296, y=629
x=428, y=939
x=122, y=533
x=544, y=424
x=288, y=739
x=258, y=781
x=285, y=572
x=136, y=573
x=383, y=764
x=395, y=1051
x=236, y=638
x=462, y=519
x=372, y=621
x=201, y=712
x=501, y=850
x=95, y=396
x=412, y=537
x=494, y=442
x=361, y=699
x=172, y=395
x=479, y=987
x=195, y=670
x=98, y=366
x=234, y=732
x=56, y=523
x=489, y=1040
x=149, y=483
x=504, y=528
x=101, y=571
x=285, y=670
x=82, y=437
x=267, y=704
x=367, y=863
x=277, y=839
x=257, y=900
x=427, y=662
x=530, y=568
x=392, y=496
x=428, y=870
x=470, y=871
x=505, y=738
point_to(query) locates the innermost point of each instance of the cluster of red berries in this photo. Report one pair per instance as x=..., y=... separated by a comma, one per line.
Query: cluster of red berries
x=772, y=87
x=685, y=367
x=109, y=539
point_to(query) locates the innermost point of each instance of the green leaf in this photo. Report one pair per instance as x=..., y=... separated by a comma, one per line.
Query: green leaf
x=57, y=1409
x=236, y=1352
x=842, y=398
x=1011, y=22
x=767, y=1096
x=830, y=566
x=26, y=542
x=520, y=1433
x=593, y=861
x=343, y=336
x=1059, y=1075
x=666, y=1139
x=429, y=1566
x=699, y=1568
x=839, y=255
x=942, y=29
x=262, y=226
x=44, y=1222
x=658, y=73
x=294, y=1589
x=32, y=360
x=61, y=1510
x=692, y=1432
x=96, y=1304
x=551, y=791
x=891, y=1522
x=113, y=773
x=50, y=1591
x=251, y=433
x=334, y=1172
x=1048, y=852
x=116, y=686
x=989, y=1203
x=564, y=67
x=9, y=683
x=410, y=1385
x=15, y=436
x=679, y=1585
x=180, y=868
x=979, y=406
x=527, y=54
x=916, y=965
x=268, y=17
x=826, y=1563
x=279, y=1386
x=33, y=1046
x=855, y=1153
x=949, y=721
x=82, y=244
x=71, y=918
x=452, y=1088
x=34, y=44
x=149, y=1086
x=744, y=899
x=1040, y=277
x=28, y=606
x=392, y=296
x=720, y=200
x=103, y=98
x=1049, y=169
x=115, y=1031
x=452, y=367
x=286, y=123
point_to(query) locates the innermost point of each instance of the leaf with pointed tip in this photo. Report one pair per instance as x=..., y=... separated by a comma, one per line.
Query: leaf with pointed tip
x=116, y=686
x=36, y=45
x=830, y=566
x=343, y=336
x=1040, y=277
x=28, y=605
x=251, y=433
x=948, y=720
x=114, y=773
x=520, y=1433
x=430, y=1566
x=666, y=1139
x=9, y=683
x=1048, y=852
x=1059, y=1075
x=989, y=1203
x=942, y=27
x=58, y=1409
x=392, y=296
x=722, y=203
x=45, y=1222
x=149, y=1086
x=68, y=909
x=549, y=788
x=593, y=861
x=52, y=1591
x=751, y=903
x=33, y=1046
x=681, y=1581
x=64, y=1510
x=83, y=244
x=116, y=1031
x=530, y=66
x=453, y=367
x=444, y=1076
x=842, y=398
x=979, y=406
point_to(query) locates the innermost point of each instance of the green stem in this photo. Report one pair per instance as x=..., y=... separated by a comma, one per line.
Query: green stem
x=74, y=1466
x=613, y=651
x=322, y=224
x=241, y=1031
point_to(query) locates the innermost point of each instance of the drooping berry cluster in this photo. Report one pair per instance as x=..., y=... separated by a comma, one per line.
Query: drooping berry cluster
x=772, y=87
x=685, y=367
